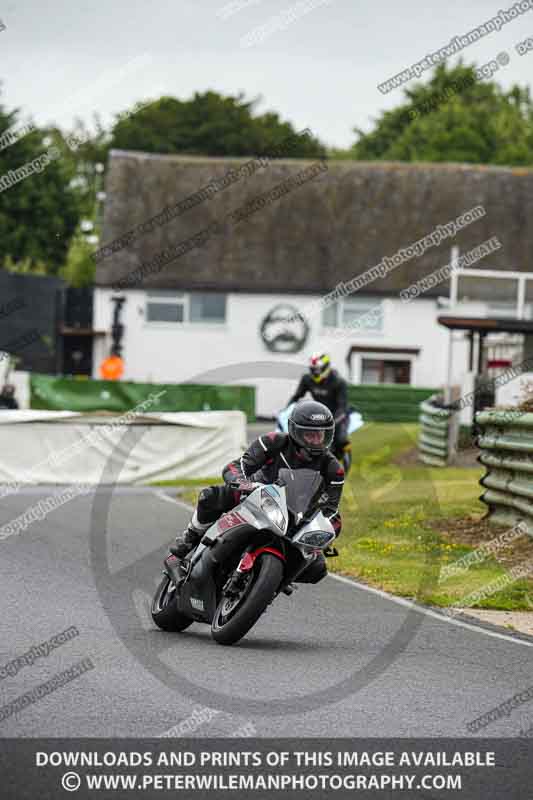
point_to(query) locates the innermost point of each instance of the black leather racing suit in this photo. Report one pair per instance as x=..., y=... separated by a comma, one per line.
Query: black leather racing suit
x=261, y=463
x=333, y=393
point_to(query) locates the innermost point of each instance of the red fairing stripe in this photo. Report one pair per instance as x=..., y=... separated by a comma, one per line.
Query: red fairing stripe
x=230, y=520
x=248, y=560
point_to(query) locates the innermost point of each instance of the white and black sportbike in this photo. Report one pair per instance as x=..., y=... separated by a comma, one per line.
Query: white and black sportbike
x=246, y=558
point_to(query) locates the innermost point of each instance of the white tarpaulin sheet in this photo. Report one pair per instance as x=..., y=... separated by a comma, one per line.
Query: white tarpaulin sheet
x=68, y=447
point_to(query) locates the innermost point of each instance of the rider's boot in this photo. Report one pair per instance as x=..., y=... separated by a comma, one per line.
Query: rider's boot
x=188, y=540
x=346, y=459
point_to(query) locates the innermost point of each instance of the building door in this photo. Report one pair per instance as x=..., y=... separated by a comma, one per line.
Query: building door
x=76, y=332
x=77, y=355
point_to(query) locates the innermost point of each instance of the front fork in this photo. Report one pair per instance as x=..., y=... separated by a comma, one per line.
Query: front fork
x=239, y=578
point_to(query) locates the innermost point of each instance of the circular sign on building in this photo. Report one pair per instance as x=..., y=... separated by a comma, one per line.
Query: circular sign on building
x=284, y=329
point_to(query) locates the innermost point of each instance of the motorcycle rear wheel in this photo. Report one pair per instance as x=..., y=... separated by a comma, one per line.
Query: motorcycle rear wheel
x=233, y=620
x=165, y=612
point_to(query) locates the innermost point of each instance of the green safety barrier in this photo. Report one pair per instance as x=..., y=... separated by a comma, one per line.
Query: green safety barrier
x=62, y=394
x=506, y=451
x=388, y=402
x=433, y=439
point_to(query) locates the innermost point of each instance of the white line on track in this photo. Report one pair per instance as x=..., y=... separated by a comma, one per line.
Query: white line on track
x=174, y=500
x=401, y=601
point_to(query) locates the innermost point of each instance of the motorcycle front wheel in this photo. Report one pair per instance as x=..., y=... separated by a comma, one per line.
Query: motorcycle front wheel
x=165, y=612
x=236, y=615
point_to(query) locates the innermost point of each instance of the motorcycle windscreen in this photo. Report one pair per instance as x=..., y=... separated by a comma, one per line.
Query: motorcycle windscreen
x=303, y=487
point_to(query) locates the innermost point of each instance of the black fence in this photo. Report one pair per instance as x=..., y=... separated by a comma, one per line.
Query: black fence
x=44, y=324
x=29, y=319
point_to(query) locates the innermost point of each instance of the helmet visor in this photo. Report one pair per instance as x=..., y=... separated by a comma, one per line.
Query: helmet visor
x=313, y=438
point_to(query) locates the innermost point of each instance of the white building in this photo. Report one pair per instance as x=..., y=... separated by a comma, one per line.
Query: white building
x=171, y=337
x=230, y=305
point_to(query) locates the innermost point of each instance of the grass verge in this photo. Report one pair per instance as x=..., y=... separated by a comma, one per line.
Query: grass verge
x=395, y=521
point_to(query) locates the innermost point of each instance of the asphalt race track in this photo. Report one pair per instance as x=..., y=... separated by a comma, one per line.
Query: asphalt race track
x=333, y=659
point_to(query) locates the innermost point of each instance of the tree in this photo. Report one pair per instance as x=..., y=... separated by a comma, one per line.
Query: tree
x=208, y=124
x=455, y=117
x=38, y=208
x=82, y=150
x=86, y=146
x=79, y=268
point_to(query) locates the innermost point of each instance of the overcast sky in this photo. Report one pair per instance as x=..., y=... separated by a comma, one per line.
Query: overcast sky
x=68, y=58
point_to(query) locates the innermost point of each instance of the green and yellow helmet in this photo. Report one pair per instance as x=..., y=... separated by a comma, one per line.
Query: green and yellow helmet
x=319, y=366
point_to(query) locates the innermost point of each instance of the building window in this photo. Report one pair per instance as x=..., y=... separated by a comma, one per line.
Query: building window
x=207, y=308
x=374, y=370
x=360, y=314
x=506, y=310
x=194, y=307
x=164, y=307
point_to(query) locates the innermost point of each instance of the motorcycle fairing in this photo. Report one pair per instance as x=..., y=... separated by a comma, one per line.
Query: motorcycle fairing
x=231, y=532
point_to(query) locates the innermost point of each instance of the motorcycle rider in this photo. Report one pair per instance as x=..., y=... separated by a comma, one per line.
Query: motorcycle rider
x=311, y=430
x=326, y=386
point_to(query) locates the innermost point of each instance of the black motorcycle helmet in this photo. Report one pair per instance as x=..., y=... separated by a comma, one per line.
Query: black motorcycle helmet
x=311, y=427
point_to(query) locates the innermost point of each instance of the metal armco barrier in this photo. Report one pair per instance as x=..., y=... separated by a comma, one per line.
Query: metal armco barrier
x=506, y=445
x=434, y=437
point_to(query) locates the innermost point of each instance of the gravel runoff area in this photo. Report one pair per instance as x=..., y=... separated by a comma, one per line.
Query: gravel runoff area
x=521, y=621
